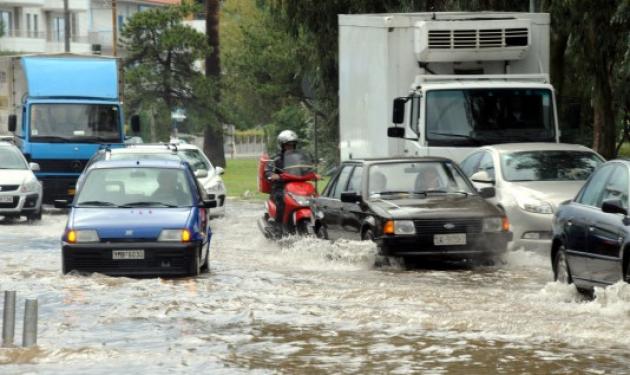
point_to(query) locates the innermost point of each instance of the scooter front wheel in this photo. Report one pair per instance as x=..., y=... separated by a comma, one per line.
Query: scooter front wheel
x=302, y=227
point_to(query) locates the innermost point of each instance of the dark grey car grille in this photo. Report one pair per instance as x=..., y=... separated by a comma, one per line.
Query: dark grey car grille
x=448, y=226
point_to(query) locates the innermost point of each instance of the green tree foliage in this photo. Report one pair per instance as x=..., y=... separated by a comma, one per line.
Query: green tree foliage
x=160, y=73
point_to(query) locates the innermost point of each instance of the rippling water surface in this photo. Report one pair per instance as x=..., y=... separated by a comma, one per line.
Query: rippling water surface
x=307, y=306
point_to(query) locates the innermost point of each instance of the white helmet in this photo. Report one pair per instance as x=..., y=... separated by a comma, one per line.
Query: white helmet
x=286, y=136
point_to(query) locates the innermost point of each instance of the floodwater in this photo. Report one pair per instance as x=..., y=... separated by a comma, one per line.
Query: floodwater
x=307, y=307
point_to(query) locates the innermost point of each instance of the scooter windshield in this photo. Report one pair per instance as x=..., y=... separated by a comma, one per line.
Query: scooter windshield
x=297, y=163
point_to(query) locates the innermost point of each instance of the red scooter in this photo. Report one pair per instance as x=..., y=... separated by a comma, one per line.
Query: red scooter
x=298, y=191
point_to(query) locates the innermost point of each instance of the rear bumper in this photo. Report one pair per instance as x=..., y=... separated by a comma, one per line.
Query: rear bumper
x=477, y=246
x=160, y=259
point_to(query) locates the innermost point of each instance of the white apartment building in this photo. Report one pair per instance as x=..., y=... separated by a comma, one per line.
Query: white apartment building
x=39, y=25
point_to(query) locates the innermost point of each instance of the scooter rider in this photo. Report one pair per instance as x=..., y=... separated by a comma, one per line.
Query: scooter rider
x=287, y=141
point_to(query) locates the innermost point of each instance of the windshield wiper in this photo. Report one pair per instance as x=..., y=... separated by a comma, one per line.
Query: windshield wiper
x=468, y=137
x=52, y=138
x=96, y=204
x=146, y=204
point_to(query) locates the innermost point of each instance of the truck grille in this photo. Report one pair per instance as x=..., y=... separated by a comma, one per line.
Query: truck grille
x=448, y=226
x=60, y=165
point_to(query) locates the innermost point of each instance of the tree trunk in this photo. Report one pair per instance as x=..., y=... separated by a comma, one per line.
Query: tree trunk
x=604, y=130
x=213, y=133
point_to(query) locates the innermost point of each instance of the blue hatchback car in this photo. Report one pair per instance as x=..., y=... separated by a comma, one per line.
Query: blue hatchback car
x=138, y=218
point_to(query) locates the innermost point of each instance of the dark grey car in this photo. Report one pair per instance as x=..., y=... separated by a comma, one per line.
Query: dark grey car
x=412, y=208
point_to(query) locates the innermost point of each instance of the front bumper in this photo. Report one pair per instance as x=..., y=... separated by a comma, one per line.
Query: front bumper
x=479, y=245
x=219, y=210
x=21, y=203
x=160, y=259
x=531, y=231
x=58, y=188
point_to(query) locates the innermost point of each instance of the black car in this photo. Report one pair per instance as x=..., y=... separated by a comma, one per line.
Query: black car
x=591, y=233
x=422, y=207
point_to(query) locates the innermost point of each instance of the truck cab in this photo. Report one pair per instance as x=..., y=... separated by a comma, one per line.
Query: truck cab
x=62, y=109
x=448, y=82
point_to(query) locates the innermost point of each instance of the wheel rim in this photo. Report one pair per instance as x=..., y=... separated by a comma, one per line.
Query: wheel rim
x=562, y=271
x=368, y=236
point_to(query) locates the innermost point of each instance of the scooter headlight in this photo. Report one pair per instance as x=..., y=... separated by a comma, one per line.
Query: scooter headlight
x=302, y=200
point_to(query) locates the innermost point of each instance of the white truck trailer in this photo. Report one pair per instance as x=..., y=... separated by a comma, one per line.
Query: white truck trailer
x=449, y=81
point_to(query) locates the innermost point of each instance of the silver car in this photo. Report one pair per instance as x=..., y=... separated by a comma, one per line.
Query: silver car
x=531, y=180
x=20, y=191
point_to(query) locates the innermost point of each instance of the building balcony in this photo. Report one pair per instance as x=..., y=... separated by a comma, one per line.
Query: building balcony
x=57, y=5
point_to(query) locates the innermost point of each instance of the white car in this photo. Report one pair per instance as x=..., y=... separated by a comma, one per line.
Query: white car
x=531, y=180
x=20, y=191
x=208, y=176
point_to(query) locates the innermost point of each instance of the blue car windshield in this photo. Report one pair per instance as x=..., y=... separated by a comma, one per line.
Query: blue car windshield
x=135, y=187
x=75, y=122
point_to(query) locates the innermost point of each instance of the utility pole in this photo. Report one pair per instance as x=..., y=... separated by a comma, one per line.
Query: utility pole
x=66, y=26
x=114, y=27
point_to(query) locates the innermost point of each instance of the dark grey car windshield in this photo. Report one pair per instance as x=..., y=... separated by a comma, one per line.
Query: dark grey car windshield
x=390, y=179
x=75, y=122
x=10, y=158
x=473, y=117
x=549, y=165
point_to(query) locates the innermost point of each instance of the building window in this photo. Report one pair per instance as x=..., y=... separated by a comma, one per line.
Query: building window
x=29, y=31
x=121, y=23
x=59, y=24
x=7, y=22
x=35, y=26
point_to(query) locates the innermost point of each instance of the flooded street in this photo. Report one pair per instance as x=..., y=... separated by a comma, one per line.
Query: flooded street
x=306, y=306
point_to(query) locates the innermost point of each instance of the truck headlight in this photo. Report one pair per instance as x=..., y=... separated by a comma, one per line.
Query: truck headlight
x=302, y=200
x=174, y=235
x=496, y=224
x=535, y=205
x=82, y=235
x=30, y=186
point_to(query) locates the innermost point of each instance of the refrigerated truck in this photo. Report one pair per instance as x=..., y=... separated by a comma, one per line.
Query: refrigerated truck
x=447, y=82
x=61, y=109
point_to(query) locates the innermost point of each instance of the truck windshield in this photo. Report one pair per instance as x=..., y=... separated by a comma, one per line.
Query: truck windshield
x=75, y=122
x=475, y=117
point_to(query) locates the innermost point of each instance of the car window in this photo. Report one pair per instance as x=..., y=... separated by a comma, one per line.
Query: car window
x=354, y=184
x=487, y=164
x=592, y=192
x=195, y=159
x=11, y=158
x=617, y=186
x=552, y=165
x=342, y=181
x=123, y=186
x=469, y=165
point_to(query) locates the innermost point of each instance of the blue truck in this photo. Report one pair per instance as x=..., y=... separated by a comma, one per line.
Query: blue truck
x=61, y=109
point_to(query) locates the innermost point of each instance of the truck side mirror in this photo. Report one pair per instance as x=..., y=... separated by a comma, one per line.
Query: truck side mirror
x=398, y=116
x=135, y=123
x=12, y=123
x=396, y=132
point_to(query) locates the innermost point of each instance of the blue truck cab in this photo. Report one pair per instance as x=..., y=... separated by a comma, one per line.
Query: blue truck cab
x=62, y=109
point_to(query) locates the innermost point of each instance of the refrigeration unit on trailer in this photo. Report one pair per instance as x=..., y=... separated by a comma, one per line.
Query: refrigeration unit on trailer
x=449, y=82
x=61, y=109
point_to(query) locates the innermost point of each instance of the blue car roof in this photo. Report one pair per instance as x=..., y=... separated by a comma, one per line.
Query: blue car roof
x=144, y=163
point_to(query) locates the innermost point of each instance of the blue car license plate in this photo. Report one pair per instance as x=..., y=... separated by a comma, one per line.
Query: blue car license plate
x=127, y=254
